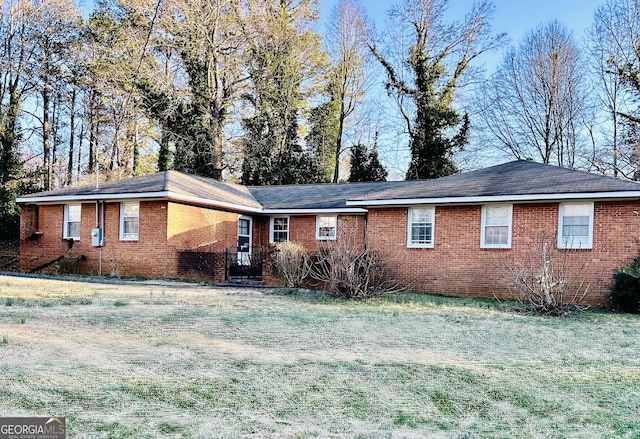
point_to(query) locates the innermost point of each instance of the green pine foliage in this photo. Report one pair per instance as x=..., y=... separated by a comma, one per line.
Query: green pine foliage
x=625, y=288
x=365, y=165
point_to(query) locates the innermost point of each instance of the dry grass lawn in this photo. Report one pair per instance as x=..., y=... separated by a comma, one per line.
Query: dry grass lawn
x=149, y=360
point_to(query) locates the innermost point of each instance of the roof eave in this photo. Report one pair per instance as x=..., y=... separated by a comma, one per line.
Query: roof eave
x=333, y=210
x=618, y=195
x=149, y=196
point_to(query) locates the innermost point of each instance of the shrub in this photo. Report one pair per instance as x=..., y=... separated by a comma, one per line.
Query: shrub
x=353, y=272
x=290, y=263
x=625, y=288
x=549, y=281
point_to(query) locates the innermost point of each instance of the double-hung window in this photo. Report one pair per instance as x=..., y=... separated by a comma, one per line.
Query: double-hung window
x=495, y=227
x=129, y=220
x=326, y=227
x=279, y=230
x=420, y=226
x=575, y=225
x=72, y=214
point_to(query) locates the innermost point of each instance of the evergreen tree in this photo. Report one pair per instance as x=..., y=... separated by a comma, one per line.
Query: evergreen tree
x=283, y=59
x=322, y=138
x=365, y=165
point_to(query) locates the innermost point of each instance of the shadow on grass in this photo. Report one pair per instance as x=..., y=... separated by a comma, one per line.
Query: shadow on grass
x=410, y=299
x=415, y=300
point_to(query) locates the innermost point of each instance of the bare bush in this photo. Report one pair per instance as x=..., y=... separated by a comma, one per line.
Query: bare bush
x=549, y=281
x=352, y=271
x=291, y=263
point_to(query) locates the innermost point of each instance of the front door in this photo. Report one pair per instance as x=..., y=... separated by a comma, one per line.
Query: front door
x=244, y=240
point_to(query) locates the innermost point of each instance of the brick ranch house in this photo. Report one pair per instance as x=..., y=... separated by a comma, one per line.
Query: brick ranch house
x=450, y=235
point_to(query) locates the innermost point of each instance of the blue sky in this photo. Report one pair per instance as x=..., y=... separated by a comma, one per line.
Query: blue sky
x=515, y=17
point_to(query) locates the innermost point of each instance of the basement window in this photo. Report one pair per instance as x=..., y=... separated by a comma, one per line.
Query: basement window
x=72, y=215
x=129, y=220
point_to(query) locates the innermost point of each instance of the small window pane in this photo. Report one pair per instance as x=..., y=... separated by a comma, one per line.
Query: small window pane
x=74, y=213
x=131, y=227
x=132, y=209
x=421, y=234
x=243, y=227
x=73, y=230
x=497, y=216
x=496, y=235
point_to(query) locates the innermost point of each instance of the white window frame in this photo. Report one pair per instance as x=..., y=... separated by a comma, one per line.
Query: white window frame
x=410, y=242
x=484, y=225
x=271, y=224
x=66, y=222
x=333, y=224
x=128, y=236
x=570, y=244
x=244, y=254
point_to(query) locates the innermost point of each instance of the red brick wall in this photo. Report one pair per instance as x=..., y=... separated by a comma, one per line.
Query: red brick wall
x=192, y=227
x=458, y=266
x=155, y=254
x=302, y=229
x=149, y=256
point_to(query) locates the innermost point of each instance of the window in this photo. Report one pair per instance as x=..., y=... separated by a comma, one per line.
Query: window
x=420, y=227
x=244, y=240
x=129, y=220
x=495, y=228
x=326, y=227
x=575, y=225
x=279, y=229
x=72, y=214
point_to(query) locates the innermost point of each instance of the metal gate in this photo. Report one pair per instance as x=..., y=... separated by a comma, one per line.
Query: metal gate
x=244, y=265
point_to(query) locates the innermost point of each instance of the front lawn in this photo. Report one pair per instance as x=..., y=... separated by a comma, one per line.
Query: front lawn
x=146, y=360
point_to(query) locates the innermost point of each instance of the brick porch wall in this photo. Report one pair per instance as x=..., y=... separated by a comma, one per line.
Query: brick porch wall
x=458, y=266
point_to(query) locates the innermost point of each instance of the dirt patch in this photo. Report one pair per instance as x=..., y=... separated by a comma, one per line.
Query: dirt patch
x=9, y=256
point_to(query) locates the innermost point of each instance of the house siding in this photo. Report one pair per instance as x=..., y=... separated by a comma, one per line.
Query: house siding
x=456, y=265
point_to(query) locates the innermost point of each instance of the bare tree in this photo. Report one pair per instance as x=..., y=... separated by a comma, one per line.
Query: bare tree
x=53, y=26
x=613, y=40
x=535, y=98
x=348, y=34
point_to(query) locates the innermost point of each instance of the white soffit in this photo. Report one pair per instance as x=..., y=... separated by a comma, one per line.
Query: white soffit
x=498, y=199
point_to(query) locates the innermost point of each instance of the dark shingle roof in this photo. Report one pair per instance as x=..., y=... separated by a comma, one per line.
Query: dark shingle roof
x=518, y=178
x=509, y=179
x=313, y=196
x=169, y=181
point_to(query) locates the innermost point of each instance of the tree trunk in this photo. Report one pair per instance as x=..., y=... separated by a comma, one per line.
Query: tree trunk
x=72, y=133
